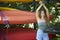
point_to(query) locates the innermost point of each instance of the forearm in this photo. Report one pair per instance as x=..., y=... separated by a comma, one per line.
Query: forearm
x=39, y=8
x=45, y=8
x=47, y=12
x=37, y=11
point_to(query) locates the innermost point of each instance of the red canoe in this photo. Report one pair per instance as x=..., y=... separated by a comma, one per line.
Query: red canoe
x=18, y=17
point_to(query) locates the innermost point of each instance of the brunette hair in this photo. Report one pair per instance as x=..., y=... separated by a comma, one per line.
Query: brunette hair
x=42, y=9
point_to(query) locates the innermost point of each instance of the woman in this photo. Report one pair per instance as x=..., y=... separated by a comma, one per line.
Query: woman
x=42, y=20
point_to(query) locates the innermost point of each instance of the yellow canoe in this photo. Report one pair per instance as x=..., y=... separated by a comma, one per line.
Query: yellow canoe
x=6, y=8
x=24, y=1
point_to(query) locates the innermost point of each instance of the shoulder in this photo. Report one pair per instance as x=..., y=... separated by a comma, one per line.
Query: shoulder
x=38, y=20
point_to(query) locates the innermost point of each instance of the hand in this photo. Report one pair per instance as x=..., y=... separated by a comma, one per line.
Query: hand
x=40, y=2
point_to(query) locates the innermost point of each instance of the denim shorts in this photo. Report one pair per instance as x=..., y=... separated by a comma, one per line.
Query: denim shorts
x=41, y=35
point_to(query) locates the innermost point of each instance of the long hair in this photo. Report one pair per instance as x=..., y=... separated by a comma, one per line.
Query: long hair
x=42, y=9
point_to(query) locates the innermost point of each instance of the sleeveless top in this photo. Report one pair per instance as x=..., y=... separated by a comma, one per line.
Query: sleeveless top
x=42, y=24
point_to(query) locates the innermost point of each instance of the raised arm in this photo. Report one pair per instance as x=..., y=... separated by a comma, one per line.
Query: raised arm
x=47, y=11
x=37, y=11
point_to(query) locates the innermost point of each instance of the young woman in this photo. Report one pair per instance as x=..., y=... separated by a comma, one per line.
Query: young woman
x=42, y=20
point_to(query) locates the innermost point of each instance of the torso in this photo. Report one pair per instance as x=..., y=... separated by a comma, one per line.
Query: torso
x=42, y=24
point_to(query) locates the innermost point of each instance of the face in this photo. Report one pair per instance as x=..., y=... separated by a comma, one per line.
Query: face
x=42, y=13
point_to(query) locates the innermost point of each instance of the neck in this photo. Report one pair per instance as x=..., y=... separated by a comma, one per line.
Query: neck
x=42, y=17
